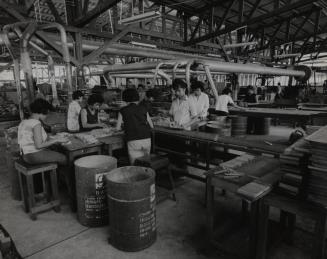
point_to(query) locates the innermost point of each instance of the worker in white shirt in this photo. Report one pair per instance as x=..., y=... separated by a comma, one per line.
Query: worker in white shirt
x=74, y=110
x=182, y=110
x=199, y=99
x=223, y=101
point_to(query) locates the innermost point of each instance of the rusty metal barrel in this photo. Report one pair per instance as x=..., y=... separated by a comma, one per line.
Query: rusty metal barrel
x=132, y=207
x=219, y=128
x=92, y=206
x=262, y=126
x=238, y=125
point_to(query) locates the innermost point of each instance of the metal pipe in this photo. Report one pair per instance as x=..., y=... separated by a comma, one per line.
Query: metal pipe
x=5, y=39
x=211, y=82
x=136, y=75
x=174, y=69
x=230, y=67
x=66, y=55
x=188, y=76
x=26, y=60
x=165, y=76
x=51, y=71
x=156, y=73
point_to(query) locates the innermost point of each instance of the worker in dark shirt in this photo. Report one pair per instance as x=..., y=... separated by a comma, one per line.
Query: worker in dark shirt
x=137, y=125
x=251, y=97
x=89, y=116
x=148, y=100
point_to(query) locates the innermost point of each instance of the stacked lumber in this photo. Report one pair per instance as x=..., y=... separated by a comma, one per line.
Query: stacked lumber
x=317, y=187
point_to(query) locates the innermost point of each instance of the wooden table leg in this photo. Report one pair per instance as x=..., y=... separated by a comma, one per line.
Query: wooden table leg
x=31, y=198
x=54, y=188
x=70, y=179
x=253, y=229
x=319, y=238
x=262, y=231
x=210, y=208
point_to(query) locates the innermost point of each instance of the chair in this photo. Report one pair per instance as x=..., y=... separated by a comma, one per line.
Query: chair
x=160, y=164
x=50, y=195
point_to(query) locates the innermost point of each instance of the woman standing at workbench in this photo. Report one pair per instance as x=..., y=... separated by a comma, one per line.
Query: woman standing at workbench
x=223, y=101
x=74, y=110
x=182, y=109
x=137, y=125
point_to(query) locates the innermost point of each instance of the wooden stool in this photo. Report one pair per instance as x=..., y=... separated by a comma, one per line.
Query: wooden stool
x=291, y=207
x=158, y=163
x=27, y=186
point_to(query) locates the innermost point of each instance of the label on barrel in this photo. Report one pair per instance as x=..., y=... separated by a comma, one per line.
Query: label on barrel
x=96, y=205
x=99, y=181
x=148, y=219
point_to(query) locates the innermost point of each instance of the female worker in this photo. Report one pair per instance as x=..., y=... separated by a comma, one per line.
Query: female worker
x=74, y=111
x=33, y=140
x=223, y=101
x=182, y=110
x=89, y=118
x=137, y=125
x=199, y=99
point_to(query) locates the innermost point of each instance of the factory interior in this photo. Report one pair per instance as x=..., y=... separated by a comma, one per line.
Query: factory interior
x=145, y=129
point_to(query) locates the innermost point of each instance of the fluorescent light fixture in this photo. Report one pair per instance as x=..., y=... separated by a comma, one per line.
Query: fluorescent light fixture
x=136, y=43
x=140, y=17
x=291, y=55
x=242, y=44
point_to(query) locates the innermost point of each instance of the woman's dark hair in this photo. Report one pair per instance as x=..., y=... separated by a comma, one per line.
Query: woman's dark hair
x=77, y=94
x=197, y=85
x=40, y=106
x=179, y=83
x=227, y=91
x=94, y=98
x=130, y=95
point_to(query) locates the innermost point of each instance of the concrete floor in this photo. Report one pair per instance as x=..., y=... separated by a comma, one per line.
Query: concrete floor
x=180, y=230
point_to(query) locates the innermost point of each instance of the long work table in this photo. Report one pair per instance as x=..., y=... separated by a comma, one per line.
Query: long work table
x=254, y=144
x=291, y=114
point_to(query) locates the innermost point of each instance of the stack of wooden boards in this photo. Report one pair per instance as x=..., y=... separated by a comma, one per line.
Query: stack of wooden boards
x=257, y=175
x=294, y=166
x=317, y=187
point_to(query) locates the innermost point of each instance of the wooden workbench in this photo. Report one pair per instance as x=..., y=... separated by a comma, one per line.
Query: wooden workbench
x=251, y=144
x=290, y=114
x=262, y=170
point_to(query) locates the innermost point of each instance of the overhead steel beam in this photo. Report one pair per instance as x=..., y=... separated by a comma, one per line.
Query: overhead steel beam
x=302, y=24
x=107, y=44
x=85, y=6
x=317, y=21
x=54, y=11
x=272, y=37
x=254, y=8
x=258, y=19
x=223, y=18
x=42, y=35
x=321, y=46
x=102, y=6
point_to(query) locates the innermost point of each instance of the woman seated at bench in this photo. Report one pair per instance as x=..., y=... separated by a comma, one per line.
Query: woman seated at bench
x=90, y=115
x=33, y=140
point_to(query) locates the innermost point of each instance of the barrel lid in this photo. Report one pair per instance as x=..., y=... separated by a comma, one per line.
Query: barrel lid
x=95, y=161
x=130, y=175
